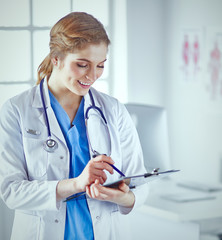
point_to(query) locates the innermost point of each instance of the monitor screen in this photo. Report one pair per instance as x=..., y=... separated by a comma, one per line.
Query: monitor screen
x=151, y=124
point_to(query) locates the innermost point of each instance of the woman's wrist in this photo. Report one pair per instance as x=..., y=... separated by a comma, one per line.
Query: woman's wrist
x=127, y=201
x=66, y=188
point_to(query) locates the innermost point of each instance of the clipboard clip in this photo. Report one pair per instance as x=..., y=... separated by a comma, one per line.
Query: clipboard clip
x=154, y=172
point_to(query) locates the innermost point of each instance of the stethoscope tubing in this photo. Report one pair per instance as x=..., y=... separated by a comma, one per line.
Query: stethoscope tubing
x=94, y=107
x=50, y=144
x=44, y=109
x=51, y=147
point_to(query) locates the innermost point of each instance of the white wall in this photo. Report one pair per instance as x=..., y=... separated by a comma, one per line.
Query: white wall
x=154, y=55
x=195, y=120
x=145, y=23
x=118, y=58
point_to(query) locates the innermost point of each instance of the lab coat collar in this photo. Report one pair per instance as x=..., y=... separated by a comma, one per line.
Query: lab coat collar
x=37, y=101
x=87, y=101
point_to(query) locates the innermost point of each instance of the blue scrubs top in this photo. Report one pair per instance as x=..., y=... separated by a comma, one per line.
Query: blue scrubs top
x=78, y=218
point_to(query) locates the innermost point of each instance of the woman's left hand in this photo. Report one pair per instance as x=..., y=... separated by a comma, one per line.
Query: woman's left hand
x=121, y=196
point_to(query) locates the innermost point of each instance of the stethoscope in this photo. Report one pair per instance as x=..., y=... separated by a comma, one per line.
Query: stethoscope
x=50, y=145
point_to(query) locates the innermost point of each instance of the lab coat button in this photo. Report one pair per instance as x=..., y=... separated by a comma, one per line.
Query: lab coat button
x=56, y=221
x=61, y=157
x=97, y=217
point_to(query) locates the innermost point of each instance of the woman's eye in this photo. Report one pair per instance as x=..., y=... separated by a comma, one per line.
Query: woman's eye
x=101, y=66
x=82, y=65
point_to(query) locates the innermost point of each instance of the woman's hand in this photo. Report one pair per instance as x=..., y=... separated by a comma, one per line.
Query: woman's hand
x=121, y=196
x=93, y=170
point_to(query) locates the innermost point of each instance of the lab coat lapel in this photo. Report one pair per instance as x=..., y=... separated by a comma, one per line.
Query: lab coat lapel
x=37, y=103
x=87, y=103
x=54, y=125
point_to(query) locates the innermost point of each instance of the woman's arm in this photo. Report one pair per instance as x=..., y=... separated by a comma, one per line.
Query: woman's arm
x=93, y=171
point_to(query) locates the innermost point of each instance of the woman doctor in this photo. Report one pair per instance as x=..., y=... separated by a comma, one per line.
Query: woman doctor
x=36, y=175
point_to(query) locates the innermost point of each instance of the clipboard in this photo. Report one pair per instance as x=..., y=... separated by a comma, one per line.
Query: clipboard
x=132, y=181
x=137, y=180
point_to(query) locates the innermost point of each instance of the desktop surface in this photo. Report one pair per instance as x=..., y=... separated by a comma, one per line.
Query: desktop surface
x=168, y=200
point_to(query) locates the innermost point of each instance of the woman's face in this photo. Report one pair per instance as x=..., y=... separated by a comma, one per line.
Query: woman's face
x=79, y=70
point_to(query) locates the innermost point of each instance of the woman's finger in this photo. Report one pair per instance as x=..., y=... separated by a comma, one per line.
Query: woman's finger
x=93, y=189
x=99, y=174
x=103, y=166
x=88, y=192
x=103, y=158
x=124, y=187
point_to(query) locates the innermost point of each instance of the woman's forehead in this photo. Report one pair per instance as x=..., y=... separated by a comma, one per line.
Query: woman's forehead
x=92, y=52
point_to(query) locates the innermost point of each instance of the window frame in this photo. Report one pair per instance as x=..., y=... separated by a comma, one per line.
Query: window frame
x=31, y=28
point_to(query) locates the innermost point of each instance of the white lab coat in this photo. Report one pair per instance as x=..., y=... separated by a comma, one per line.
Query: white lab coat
x=29, y=174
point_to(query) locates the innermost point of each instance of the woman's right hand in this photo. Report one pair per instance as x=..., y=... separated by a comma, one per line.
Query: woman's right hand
x=93, y=170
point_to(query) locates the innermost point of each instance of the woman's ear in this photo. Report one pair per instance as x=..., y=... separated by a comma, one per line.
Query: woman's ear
x=54, y=61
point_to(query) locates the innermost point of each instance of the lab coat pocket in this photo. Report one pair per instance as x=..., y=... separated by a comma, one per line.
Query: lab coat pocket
x=36, y=158
x=25, y=227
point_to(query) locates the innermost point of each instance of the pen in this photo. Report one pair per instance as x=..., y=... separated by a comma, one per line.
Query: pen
x=116, y=169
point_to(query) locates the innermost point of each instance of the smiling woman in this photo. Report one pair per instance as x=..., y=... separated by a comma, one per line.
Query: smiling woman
x=78, y=70
x=69, y=34
x=36, y=182
x=72, y=76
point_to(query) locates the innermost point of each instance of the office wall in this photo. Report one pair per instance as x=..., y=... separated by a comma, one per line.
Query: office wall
x=195, y=115
x=145, y=27
x=157, y=76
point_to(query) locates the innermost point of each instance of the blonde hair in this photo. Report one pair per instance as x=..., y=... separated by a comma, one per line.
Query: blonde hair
x=70, y=33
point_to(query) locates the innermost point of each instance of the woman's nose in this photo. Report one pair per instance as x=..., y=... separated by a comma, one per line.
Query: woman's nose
x=92, y=75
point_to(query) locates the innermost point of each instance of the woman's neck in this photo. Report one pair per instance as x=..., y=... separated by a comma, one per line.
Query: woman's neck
x=67, y=99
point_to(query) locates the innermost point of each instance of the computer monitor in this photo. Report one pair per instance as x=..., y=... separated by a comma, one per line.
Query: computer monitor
x=151, y=124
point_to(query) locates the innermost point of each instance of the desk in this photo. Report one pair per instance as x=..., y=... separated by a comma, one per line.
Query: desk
x=182, y=211
x=197, y=217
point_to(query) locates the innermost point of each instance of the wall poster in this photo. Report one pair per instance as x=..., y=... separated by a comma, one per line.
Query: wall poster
x=213, y=63
x=191, y=54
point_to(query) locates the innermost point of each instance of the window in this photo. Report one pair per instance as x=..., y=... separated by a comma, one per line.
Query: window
x=24, y=33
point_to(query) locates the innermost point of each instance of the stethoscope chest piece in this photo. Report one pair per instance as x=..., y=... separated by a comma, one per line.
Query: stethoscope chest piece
x=50, y=145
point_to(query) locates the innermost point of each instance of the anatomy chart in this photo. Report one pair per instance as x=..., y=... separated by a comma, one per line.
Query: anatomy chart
x=213, y=63
x=190, y=54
